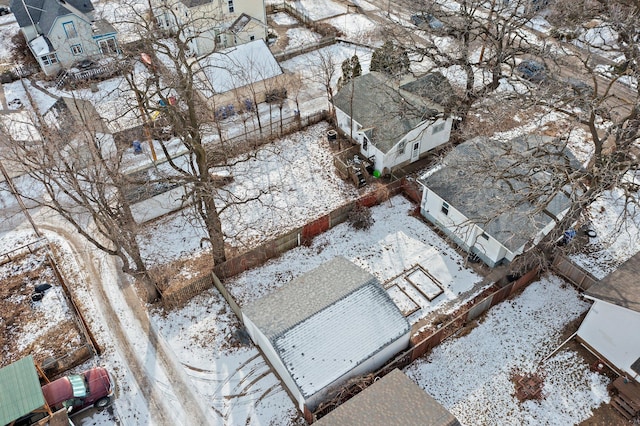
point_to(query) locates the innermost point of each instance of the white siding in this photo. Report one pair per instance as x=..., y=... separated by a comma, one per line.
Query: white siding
x=467, y=234
x=266, y=347
x=612, y=331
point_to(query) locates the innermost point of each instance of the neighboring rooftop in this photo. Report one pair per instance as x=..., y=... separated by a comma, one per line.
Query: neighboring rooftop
x=621, y=287
x=373, y=101
x=20, y=391
x=305, y=322
x=44, y=12
x=514, y=194
x=239, y=66
x=393, y=400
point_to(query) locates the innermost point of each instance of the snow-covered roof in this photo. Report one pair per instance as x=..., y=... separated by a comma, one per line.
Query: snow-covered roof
x=394, y=399
x=239, y=66
x=328, y=321
x=40, y=46
x=621, y=287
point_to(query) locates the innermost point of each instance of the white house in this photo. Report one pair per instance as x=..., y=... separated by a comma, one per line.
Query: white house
x=393, y=126
x=208, y=25
x=497, y=199
x=611, y=328
x=324, y=327
x=62, y=33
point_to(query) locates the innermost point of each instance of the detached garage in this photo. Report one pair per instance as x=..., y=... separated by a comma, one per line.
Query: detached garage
x=324, y=327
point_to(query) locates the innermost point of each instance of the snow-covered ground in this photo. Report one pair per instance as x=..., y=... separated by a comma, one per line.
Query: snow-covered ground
x=467, y=374
x=471, y=375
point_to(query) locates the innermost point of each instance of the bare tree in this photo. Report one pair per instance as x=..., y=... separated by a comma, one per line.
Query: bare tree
x=80, y=175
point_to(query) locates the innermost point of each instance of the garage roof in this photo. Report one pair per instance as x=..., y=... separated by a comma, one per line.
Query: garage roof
x=20, y=391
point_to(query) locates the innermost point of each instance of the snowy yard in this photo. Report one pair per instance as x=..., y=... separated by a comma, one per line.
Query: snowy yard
x=470, y=375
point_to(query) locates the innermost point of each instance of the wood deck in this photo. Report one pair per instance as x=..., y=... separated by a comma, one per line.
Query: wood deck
x=627, y=400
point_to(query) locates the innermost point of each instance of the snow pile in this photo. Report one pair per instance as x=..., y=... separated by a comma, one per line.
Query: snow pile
x=471, y=375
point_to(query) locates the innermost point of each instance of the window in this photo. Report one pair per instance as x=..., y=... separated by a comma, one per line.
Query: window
x=162, y=21
x=485, y=236
x=401, y=146
x=49, y=59
x=252, y=38
x=230, y=6
x=76, y=49
x=437, y=128
x=108, y=46
x=365, y=142
x=70, y=29
x=445, y=208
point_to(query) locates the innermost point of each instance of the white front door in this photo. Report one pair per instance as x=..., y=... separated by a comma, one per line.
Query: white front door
x=415, y=151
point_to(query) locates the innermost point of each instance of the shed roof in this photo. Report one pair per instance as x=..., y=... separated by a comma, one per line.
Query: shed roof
x=621, y=287
x=45, y=12
x=394, y=399
x=20, y=391
x=328, y=321
x=507, y=188
x=373, y=101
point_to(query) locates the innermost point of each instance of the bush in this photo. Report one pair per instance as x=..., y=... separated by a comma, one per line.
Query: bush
x=360, y=218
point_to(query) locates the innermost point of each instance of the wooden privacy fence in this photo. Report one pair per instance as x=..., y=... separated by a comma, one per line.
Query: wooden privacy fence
x=575, y=274
x=181, y=295
x=304, y=234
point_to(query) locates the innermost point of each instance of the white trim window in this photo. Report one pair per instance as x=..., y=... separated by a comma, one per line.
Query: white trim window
x=231, y=7
x=76, y=49
x=70, y=29
x=401, y=147
x=50, y=59
x=108, y=46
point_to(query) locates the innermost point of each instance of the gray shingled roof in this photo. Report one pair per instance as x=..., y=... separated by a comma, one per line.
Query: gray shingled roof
x=306, y=295
x=45, y=12
x=393, y=400
x=327, y=322
x=501, y=186
x=434, y=86
x=391, y=112
x=621, y=287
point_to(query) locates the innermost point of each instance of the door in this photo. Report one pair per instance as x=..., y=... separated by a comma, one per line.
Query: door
x=415, y=151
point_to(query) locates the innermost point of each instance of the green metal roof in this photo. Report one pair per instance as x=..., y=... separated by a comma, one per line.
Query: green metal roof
x=20, y=391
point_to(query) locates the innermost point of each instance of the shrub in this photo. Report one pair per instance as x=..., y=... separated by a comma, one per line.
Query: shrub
x=360, y=218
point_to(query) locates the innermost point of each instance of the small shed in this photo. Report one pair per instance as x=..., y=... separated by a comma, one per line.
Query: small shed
x=324, y=327
x=610, y=329
x=20, y=392
x=393, y=400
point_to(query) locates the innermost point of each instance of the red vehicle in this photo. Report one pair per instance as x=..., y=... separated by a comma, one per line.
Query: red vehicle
x=78, y=391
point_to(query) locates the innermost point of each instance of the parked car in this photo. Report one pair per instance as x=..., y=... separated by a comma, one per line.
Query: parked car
x=77, y=392
x=531, y=70
x=427, y=20
x=4, y=11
